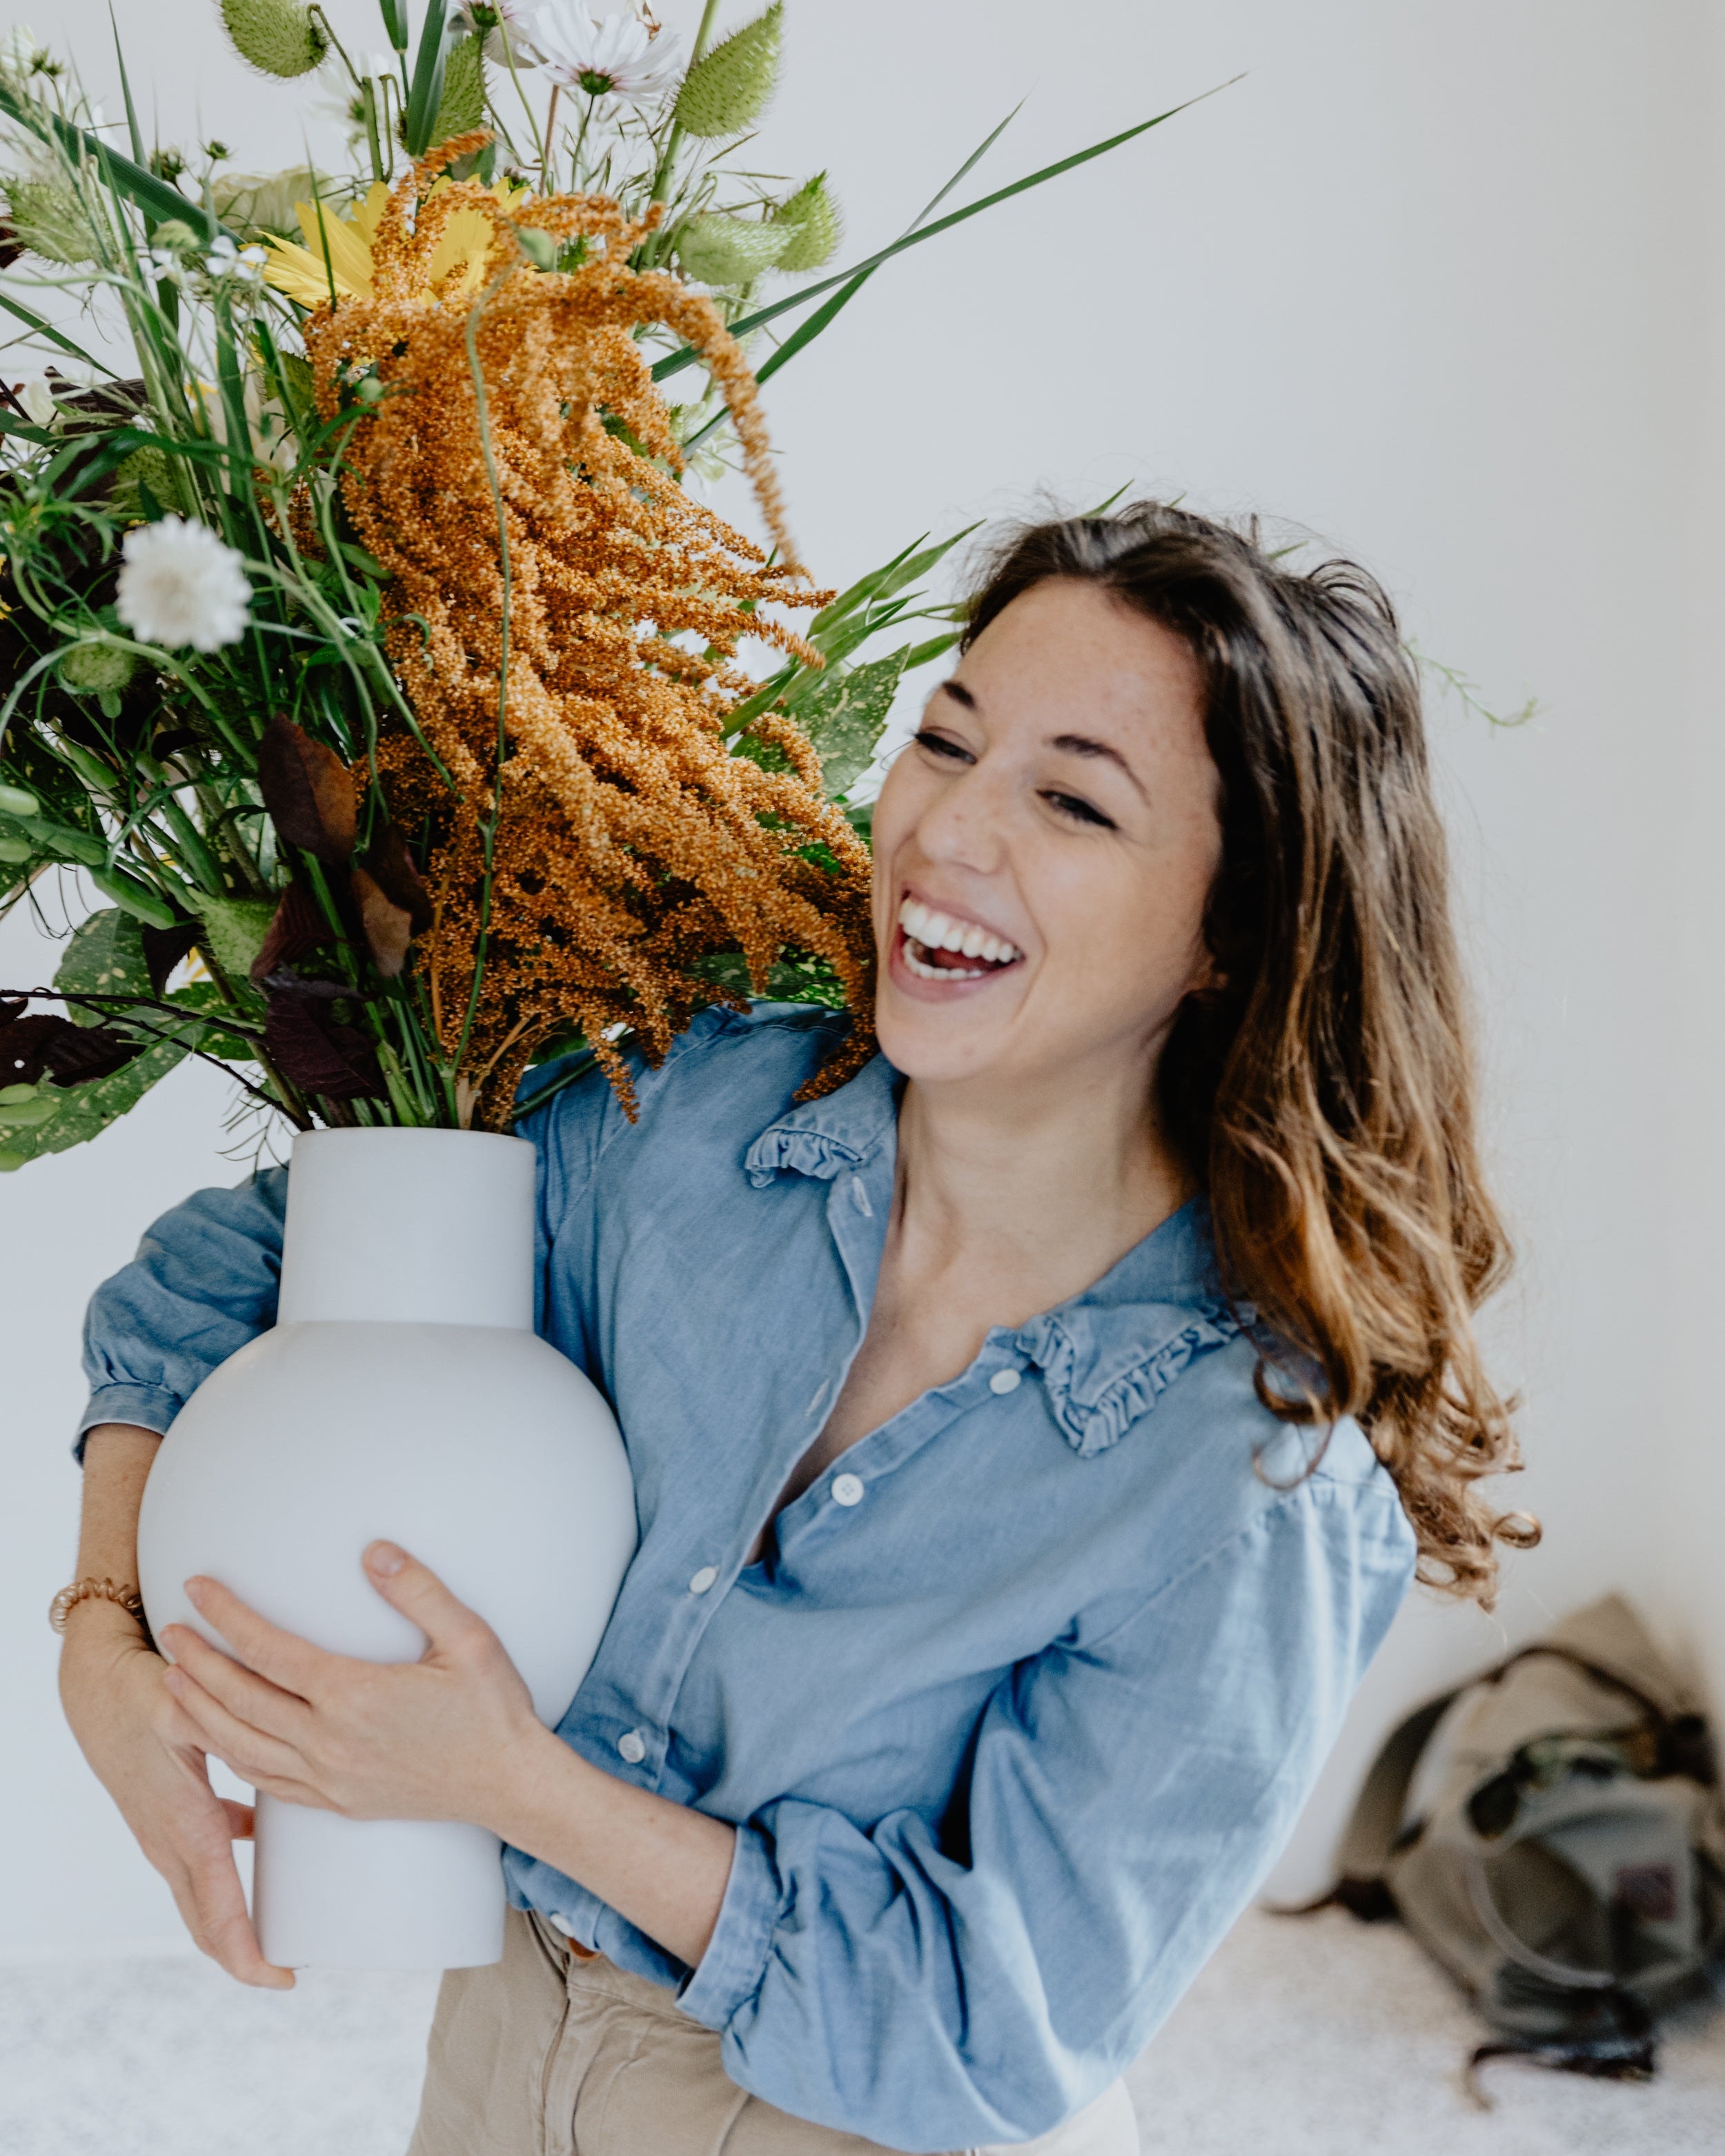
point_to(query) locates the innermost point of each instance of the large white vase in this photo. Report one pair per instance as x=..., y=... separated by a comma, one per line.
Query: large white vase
x=404, y=1394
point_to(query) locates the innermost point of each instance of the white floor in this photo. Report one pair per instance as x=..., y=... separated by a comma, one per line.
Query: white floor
x=1317, y=2038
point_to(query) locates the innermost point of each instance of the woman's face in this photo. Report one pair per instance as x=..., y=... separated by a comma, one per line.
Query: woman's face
x=1043, y=850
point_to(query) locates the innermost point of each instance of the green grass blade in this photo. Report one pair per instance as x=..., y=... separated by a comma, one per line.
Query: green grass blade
x=967, y=167
x=151, y=195
x=131, y=117
x=841, y=298
x=824, y=317
x=44, y=328
x=674, y=361
x=427, y=93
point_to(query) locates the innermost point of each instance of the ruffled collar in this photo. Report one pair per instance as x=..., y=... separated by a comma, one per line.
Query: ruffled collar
x=1105, y=1356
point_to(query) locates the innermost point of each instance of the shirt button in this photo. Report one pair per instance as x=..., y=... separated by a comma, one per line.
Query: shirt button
x=847, y=1490
x=703, y=1579
x=633, y=1747
x=1004, y=1381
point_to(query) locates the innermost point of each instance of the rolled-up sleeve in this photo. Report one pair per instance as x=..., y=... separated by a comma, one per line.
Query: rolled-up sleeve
x=204, y=1282
x=978, y=1977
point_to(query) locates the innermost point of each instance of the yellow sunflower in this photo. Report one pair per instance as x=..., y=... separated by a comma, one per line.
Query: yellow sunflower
x=338, y=250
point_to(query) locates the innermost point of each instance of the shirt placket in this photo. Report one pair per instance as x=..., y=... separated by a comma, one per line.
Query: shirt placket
x=858, y=1203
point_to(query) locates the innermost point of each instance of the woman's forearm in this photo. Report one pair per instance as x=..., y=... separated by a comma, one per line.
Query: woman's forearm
x=661, y=1865
x=117, y=1457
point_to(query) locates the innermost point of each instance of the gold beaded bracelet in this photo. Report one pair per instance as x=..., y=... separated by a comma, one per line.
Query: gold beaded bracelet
x=92, y=1590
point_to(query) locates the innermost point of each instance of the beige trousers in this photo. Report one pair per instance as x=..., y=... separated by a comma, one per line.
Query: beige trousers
x=549, y=2053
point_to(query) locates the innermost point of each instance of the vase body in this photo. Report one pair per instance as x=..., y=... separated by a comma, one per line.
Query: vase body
x=402, y=1393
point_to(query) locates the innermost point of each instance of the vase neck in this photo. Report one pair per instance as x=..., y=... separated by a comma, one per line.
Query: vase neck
x=408, y=1227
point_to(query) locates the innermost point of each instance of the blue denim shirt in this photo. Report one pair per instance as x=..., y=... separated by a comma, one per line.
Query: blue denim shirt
x=1030, y=1685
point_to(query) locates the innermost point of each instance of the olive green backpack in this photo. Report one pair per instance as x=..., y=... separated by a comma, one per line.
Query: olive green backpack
x=1564, y=1857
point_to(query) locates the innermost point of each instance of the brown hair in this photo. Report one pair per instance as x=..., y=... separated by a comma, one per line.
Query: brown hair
x=1324, y=1091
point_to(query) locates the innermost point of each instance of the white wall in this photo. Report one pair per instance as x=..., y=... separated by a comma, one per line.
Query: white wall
x=1434, y=280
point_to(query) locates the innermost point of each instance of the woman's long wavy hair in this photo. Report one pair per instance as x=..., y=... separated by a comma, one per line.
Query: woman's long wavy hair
x=1324, y=1092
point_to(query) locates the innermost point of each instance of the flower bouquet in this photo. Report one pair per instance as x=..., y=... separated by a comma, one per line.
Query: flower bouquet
x=365, y=649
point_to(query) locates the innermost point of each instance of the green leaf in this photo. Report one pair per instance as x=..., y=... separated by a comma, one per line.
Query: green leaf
x=426, y=95
x=23, y=1107
x=236, y=928
x=135, y=895
x=88, y=1110
x=105, y=957
x=845, y=715
x=207, y=1001
x=54, y=842
x=882, y=583
x=674, y=361
x=794, y=979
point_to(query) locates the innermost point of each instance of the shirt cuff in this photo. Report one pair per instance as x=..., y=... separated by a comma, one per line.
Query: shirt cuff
x=736, y=1958
x=145, y=1407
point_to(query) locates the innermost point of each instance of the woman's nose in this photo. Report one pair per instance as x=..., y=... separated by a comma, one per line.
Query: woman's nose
x=965, y=823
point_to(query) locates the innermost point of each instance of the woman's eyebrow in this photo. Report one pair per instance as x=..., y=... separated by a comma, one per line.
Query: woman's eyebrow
x=1082, y=745
x=959, y=694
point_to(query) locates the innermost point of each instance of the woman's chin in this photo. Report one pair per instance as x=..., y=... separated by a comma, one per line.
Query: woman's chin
x=932, y=1029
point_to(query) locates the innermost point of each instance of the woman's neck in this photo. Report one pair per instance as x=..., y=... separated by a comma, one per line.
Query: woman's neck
x=1029, y=1198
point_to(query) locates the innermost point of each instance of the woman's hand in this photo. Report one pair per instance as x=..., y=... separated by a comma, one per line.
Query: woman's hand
x=150, y=1757
x=450, y=1737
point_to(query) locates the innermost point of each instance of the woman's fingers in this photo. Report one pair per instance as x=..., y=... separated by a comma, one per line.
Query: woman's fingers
x=252, y=1754
x=415, y=1589
x=285, y=1659
x=200, y=1869
x=247, y=1696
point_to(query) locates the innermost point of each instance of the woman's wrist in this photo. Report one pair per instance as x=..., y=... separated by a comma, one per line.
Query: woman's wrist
x=661, y=1865
x=530, y=1787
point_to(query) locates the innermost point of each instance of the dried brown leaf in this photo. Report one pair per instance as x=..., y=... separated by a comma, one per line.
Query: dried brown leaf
x=308, y=791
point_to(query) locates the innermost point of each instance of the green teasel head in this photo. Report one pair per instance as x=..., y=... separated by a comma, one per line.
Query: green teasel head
x=815, y=224
x=50, y=220
x=99, y=671
x=717, y=248
x=729, y=89
x=145, y=484
x=280, y=38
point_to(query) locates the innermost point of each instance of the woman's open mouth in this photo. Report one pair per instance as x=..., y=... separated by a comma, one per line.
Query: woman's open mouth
x=937, y=947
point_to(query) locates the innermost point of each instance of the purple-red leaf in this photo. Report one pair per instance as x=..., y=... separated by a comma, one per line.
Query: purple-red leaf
x=23, y=1047
x=311, y=1049
x=84, y=1052
x=296, y=931
x=308, y=791
x=165, y=947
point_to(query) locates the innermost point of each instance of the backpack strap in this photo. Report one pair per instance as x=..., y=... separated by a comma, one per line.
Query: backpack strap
x=1374, y=1828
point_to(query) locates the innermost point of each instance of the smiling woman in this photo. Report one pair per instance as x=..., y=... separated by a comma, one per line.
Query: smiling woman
x=1032, y=1437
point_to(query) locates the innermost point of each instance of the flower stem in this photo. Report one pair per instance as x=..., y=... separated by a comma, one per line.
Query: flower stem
x=550, y=126
x=674, y=141
x=488, y=825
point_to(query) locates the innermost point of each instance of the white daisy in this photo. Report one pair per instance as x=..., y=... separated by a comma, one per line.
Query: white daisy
x=604, y=56
x=499, y=23
x=179, y=584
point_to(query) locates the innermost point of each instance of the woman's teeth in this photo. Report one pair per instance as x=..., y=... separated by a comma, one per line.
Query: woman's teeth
x=936, y=932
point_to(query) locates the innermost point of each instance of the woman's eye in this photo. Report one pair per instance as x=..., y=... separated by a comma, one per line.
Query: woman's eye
x=1080, y=812
x=942, y=745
